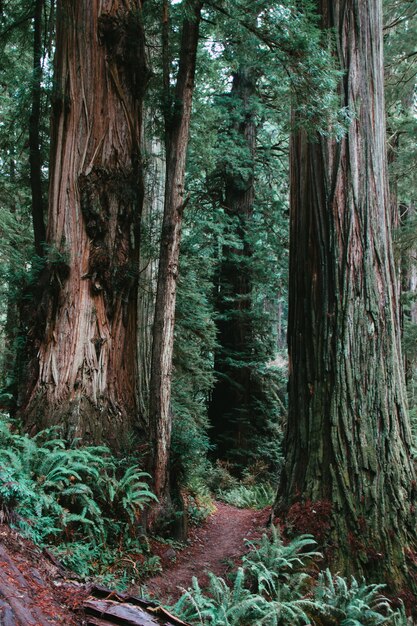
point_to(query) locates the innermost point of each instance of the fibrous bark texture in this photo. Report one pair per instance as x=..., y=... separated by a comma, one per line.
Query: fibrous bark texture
x=348, y=438
x=153, y=208
x=85, y=373
x=177, y=134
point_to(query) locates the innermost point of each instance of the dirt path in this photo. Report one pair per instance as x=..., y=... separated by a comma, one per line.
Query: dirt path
x=216, y=547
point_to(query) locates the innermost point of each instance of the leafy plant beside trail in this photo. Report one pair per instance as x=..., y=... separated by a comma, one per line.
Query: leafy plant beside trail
x=256, y=489
x=80, y=501
x=249, y=496
x=275, y=587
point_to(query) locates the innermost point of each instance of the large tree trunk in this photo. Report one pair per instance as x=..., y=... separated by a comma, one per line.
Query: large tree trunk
x=231, y=407
x=177, y=128
x=348, y=438
x=85, y=374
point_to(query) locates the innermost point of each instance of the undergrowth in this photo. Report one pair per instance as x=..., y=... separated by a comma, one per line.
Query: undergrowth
x=254, y=489
x=248, y=496
x=82, y=502
x=275, y=587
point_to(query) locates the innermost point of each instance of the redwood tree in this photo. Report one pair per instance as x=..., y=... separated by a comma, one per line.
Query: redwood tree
x=84, y=374
x=348, y=437
x=177, y=125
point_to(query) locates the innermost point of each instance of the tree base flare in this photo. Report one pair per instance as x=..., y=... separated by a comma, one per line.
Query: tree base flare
x=101, y=424
x=352, y=547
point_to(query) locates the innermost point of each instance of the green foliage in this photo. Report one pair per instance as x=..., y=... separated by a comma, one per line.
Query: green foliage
x=16, y=67
x=128, y=495
x=199, y=501
x=193, y=361
x=249, y=496
x=274, y=588
x=81, y=499
x=352, y=603
x=272, y=554
x=110, y=565
x=222, y=605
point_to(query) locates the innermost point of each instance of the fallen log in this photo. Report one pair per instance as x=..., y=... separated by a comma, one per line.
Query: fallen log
x=27, y=594
x=35, y=590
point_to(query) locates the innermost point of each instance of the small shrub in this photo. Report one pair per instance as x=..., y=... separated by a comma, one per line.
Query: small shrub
x=199, y=508
x=80, y=501
x=352, y=603
x=220, y=478
x=249, y=496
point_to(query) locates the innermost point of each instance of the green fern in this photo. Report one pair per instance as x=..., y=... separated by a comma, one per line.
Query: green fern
x=248, y=496
x=271, y=554
x=222, y=605
x=273, y=589
x=352, y=603
x=130, y=494
x=399, y=618
x=61, y=490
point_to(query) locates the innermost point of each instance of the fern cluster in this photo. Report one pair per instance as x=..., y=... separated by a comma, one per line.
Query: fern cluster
x=257, y=496
x=82, y=498
x=274, y=588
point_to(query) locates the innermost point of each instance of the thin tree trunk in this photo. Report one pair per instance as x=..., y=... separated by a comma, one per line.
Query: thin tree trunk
x=35, y=158
x=84, y=377
x=163, y=335
x=348, y=437
x=153, y=208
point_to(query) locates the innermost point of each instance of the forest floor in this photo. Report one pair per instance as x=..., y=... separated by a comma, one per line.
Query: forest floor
x=216, y=547
x=35, y=590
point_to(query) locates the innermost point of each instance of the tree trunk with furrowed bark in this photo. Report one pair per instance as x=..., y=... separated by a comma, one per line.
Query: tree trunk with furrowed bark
x=84, y=374
x=177, y=133
x=348, y=437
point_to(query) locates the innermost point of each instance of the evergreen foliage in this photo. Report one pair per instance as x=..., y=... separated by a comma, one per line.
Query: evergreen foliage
x=81, y=501
x=17, y=249
x=275, y=587
x=257, y=496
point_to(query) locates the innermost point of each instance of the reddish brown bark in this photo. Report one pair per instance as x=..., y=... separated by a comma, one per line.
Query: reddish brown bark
x=86, y=365
x=348, y=438
x=177, y=133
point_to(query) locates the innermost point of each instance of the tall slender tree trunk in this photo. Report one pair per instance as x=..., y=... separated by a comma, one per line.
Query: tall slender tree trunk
x=348, y=437
x=84, y=375
x=153, y=208
x=177, y=134
x=230, y=408
x=35, y=158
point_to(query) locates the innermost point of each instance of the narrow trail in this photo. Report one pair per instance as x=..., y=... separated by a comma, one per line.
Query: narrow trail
x=216, y=546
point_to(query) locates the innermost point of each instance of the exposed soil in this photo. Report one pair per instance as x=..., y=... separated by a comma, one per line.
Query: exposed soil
x=216, y=547
x=36, y=591
x=33, y=591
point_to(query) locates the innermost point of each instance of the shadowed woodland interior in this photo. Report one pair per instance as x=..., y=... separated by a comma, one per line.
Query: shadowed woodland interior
x=208, y=327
